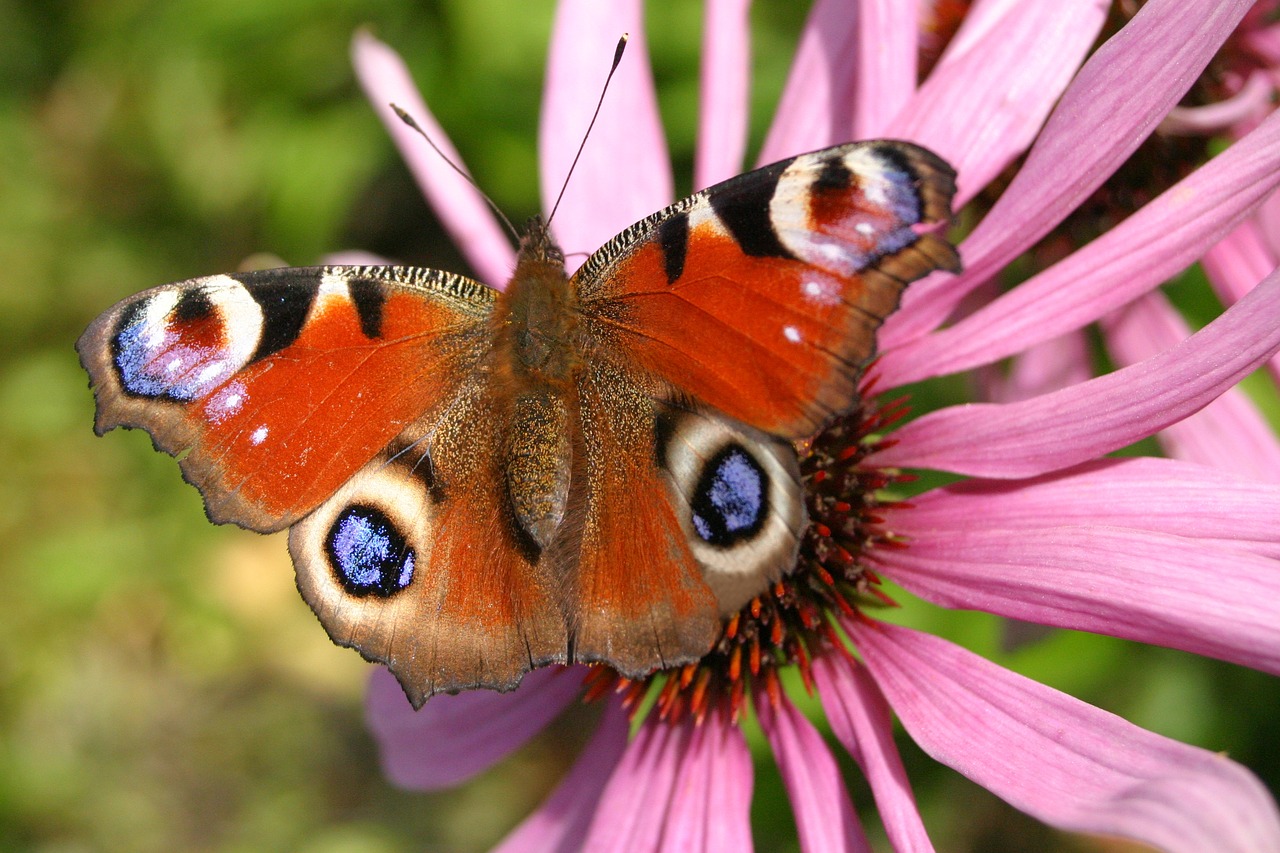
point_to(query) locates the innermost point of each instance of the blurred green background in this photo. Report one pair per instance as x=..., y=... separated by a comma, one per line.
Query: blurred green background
x=162, y=685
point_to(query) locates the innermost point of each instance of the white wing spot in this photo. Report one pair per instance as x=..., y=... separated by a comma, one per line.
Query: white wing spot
x=821, y=291
x=210, y=371
x=259, y=436
x=865, y=228
x=792, y=334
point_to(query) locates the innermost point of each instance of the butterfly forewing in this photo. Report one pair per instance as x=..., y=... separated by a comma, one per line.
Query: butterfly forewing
x=760, y=297
x=280, y=384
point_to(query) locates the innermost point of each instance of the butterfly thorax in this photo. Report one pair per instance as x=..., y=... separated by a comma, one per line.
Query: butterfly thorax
x=539, y=354
x=537, y=315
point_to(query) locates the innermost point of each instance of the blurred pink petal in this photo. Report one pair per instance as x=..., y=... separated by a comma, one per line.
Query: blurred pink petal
x=825, y=818
x=560, y=824
x=1147, y=248
x=1049, y=366
x=989, y=94
x=1253, y=101
x=817, y=102
x=1229, y=433
x=1242, y=259
x=1269, y=220
x=854, y=70
x=459, y=206
x=860, y=718
x=884, y=78
x=725, y=80
x=1265, y=39
x=672, y=776
x=625, y=173
x=1238, y=261
x=455, y=737
x=1067, y=427
x=1119, y=96
x=1060, y=760
x=1143, y=493
x=1157, y=588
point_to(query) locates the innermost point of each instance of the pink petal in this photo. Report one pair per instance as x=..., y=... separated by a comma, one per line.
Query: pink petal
x=1269, y=220
x=560, y=824
x=816, y=105
x=624, y=174
x=1242, y=259
x=1157, y=588
x=824, y=814
x=1238, y=261
x=1263, y=40
x=726, y=77
x=459, y=206
x=1147, y=248
x=1067, y=427
x=1252, y=102
x=1119, y=96
x=711, y=806
x=670, y=779
x=1229, y=433
x=455, y=737
x=860, y=718
x=1157, y=495
x=1060, y=760
x=989, y=94
x=854, y=70
x=1050, y=366
x=884, y=76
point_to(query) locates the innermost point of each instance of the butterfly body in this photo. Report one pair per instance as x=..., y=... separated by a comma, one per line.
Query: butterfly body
x=596, y=467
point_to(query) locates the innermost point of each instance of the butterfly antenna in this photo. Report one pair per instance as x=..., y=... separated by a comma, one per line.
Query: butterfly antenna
x=617, y=58
x=409, y=120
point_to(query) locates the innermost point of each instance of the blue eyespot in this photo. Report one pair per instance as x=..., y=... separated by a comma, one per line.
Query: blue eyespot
x=368, y=554
x=180, y=358
x=731, y=500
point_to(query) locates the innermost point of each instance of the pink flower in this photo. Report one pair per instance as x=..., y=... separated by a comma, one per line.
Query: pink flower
x=1044, y=529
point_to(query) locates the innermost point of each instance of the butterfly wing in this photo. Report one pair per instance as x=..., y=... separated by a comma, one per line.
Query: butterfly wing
x=760, y=296
x=686, y=516
x=722, y=327
x=418, y=562
x=352, y=403
x=278, y=385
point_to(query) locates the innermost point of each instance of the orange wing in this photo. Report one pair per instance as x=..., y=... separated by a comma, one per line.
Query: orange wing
x=760, y=296
x=280, y=384
x=636, y=591
x=417, y=561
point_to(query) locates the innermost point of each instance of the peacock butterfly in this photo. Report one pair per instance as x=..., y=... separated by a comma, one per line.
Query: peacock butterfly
x=596, y=467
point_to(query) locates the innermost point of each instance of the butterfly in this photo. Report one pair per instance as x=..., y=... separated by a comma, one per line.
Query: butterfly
x=589, y=468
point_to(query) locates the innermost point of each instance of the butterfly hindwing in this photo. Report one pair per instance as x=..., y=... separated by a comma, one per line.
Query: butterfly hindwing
x=280, y=384
x=688, y=515
x=760, y=297
x=417, y=561
x=739, y=499
x=636, y=591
